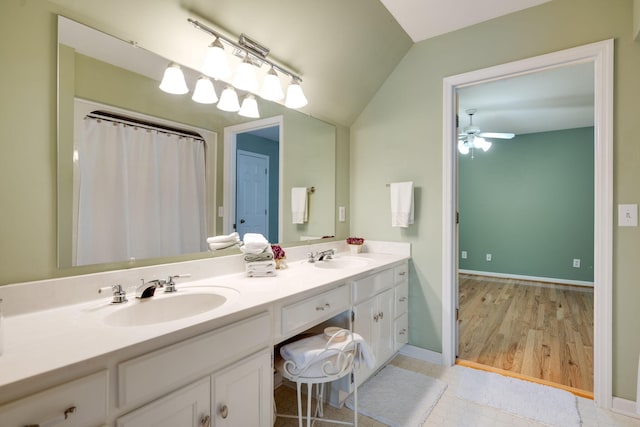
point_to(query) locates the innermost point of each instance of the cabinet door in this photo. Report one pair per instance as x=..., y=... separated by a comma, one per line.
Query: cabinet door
x=365, y=325
x=242, y=394
x=385, y=330
x=188, y=406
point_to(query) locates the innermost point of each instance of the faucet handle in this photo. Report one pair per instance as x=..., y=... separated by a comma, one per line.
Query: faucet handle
x=119, y=295
x=170, y=285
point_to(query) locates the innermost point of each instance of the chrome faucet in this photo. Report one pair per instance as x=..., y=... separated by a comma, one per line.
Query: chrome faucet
x=148, y=289
x=324, y=255
x=119, y=295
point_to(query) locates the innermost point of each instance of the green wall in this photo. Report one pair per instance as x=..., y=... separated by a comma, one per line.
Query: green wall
x=529, y=203
x=399, y=137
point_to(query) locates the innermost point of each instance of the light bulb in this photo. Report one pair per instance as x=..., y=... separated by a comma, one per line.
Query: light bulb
x=204, y=92
x=229, y=100
x=462, y=147
x=215, y=63
x=295, y=96
x=271, y=88
x=173, y=80
x=249, y=107
x=245, y=78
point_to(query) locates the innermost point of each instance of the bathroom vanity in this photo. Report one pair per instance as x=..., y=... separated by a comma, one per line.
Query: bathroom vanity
x=82, y=361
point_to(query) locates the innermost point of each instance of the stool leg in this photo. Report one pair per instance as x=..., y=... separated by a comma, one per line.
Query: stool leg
x=355, y=400
x=320, y=399
x=299, y=404
x=309, y=391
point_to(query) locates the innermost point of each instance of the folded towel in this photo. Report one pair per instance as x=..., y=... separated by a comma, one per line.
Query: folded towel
x=233, y=237
x=265, y=255
x=401, y=204
x=310, y=350
x=299, y=210
x=254, y=243
x=261, y=268
x=216, y=246
x=268, y=273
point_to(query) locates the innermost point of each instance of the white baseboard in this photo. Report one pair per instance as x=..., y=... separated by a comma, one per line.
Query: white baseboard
x=421, y=354
x=532, y=278
x=624, y=407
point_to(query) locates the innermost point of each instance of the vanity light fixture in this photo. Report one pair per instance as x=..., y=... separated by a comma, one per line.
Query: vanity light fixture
x=215, y=62
x=229, y=100
x=204, y=93
x=173, y=80
x=295, y=96
x=249, y=107
x=254, y=55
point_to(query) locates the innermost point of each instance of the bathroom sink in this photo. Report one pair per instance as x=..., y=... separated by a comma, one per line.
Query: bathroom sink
x=342, y=262
x=168, y=307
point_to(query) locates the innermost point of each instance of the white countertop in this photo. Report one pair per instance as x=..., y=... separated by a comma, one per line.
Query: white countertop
x=42, y=341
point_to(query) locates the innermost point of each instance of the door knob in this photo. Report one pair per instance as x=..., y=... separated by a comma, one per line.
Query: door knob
x=242, y=221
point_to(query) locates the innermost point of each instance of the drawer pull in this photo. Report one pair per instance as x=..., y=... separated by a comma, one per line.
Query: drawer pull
x=402, y=331
x=57, y=420
x=224, y=412
x=323, y=307
x=381, y=315
x=206, y=421
x=402, y=299
x=402, y=273
x=376, y=317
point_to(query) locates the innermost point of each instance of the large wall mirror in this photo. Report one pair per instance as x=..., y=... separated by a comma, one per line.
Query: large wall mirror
x=103, y=74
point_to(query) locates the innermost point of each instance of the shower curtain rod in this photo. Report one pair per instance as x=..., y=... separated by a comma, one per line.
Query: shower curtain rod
x=114, y=118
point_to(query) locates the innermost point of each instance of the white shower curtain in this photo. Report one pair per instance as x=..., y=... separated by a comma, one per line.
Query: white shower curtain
x=142, y=193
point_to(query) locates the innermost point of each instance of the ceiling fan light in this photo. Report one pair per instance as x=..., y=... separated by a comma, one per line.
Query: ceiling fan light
x=229, y=100
x=249, y=107
x=463, y=148
x=245, y=78
x=295, y=95
x=215, y=62
x=173, y=80
x=271, y=88
x=204, y=92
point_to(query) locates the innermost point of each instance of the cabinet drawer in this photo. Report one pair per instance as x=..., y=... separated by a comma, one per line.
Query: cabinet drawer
x=372, y=285
x=315, y=309
x=88, y=395
x=401, y=295
x=402, y=331
x=154, y=374
x=401, y=272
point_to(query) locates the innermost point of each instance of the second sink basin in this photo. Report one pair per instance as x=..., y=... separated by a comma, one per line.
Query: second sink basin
x=167, y=307
x=342, y=262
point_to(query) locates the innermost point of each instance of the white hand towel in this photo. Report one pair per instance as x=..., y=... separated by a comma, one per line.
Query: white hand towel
x=401, y=204
x=299, y=209
x=233, y=237
x=254, y=243
x=307, y=350
x=224, y=245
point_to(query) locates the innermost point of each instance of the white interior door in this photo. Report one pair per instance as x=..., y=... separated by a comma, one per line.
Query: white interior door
x=252, y=193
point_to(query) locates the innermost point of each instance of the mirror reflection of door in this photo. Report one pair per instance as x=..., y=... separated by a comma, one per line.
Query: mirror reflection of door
x=252, y=193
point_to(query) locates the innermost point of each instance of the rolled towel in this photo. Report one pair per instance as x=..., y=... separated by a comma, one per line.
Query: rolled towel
x=232, y=238
x=254, y=243
x=265, y=255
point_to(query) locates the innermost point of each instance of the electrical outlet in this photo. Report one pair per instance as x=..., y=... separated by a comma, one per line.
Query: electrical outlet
x=488, y=257
x=628, y=215
x=576, y=263
x=463, y=255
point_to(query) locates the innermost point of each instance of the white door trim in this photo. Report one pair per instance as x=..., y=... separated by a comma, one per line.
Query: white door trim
x=601, y=55
x=229, y=181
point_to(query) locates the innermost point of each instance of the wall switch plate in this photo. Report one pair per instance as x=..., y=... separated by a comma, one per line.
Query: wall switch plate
x=342, y=214
x=576, y=263
x=221, y=211
x=488, y=257
x=463, y=254
x=628, y=215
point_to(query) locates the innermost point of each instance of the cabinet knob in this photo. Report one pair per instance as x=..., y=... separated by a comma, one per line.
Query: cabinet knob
x=206, y=421
x=402, y=273
x=376, y=317
x=224, y=412
x=57, y=420
x=402, y=331
x=381, y=315
x=402, y=299
x=323, y=307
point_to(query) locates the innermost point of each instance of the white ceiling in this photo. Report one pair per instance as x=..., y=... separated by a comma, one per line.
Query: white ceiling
x=423, y=19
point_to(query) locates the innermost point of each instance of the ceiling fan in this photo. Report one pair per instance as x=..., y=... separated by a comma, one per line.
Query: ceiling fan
x=472, y=137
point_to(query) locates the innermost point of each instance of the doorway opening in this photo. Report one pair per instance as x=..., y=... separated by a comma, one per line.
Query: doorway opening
x=600, y=55
x=252, y=191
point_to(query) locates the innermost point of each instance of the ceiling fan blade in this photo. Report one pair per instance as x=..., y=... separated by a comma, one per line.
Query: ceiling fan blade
x=499, y=135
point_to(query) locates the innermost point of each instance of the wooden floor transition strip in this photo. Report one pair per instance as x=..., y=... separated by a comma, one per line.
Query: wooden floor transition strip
x=474, y=365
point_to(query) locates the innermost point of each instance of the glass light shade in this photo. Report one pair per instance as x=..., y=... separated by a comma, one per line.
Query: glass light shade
x=249, y=107
x=204, y=92
x=295, y=96
x=462, y=147
x=482, y=144
x=215, y=63
x=229, y=100
x=245, y=78
x=271, y=88
x=173, y=80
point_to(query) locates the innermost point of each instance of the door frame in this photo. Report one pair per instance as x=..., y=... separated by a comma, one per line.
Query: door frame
x=601, y=55
x=229, y=168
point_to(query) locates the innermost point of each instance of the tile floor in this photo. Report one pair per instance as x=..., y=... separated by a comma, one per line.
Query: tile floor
x=452, y=411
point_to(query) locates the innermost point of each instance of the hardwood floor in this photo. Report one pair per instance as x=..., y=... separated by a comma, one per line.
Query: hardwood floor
x=531, y=329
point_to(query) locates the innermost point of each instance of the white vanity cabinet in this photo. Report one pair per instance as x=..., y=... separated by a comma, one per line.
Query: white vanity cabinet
x=401, y=309
x=373, y=317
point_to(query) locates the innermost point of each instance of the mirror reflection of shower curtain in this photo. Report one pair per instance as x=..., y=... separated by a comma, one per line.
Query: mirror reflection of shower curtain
x=142, y=193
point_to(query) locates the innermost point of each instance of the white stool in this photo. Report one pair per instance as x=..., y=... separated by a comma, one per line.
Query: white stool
x=320, y=361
